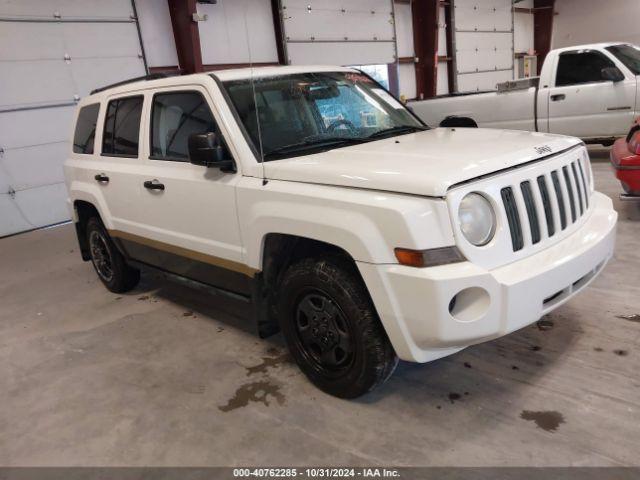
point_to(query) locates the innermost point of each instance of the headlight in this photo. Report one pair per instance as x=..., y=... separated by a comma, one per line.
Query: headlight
x=477, y=219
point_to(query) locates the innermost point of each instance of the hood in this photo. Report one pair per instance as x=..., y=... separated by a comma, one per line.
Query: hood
x=423, y=163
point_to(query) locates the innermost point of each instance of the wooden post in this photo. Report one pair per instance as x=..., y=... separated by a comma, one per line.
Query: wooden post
x=425, y=44
x=186, y=35
x=276, y=9
x=542, y=28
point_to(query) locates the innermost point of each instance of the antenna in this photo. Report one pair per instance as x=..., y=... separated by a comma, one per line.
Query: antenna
x=253, y=89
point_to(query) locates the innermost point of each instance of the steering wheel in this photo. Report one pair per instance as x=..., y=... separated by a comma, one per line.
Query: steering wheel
x=342, y=121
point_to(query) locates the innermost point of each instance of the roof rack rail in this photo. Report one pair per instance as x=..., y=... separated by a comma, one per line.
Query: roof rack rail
x=151, y=76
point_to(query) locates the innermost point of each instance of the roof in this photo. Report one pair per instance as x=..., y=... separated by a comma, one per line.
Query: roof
x=261, y=72
x=590, y=46
x=157, y=80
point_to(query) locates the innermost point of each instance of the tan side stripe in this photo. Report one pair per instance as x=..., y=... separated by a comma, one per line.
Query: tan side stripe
x=185, y=252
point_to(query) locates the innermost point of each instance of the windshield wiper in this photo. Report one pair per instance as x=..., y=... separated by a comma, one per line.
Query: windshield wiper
x=397, y=130
x=327, y=142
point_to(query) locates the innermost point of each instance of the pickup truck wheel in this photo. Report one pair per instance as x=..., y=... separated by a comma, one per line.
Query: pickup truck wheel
x=109, y=263
x=332, y=329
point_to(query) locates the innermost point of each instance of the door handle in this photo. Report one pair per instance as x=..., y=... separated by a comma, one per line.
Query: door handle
x=558, y=97
x=153, y=185
x=101, y=178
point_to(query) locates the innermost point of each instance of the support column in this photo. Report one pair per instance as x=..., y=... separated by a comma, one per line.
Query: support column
x=425, y=44
x=186, y=35
x=543, y=13
x=276, y=9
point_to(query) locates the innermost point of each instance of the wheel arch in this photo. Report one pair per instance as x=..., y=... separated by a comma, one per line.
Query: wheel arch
x=455, y=121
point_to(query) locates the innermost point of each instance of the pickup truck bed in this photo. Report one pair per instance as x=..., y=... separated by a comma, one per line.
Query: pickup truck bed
x=586, y=91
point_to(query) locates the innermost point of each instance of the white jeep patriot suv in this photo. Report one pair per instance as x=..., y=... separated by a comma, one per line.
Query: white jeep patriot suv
x=350, y=225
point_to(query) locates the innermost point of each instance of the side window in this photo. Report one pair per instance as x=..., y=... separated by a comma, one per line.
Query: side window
x=581, y=67
x=174, y=117
x=122, y=127
x=85, y=133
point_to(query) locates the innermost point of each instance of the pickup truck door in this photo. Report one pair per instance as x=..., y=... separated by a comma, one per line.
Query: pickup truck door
x=583, y=104
x=191, y=224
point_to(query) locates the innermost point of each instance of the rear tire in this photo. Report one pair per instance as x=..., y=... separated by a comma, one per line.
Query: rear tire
x=109, y=263
x=332, y=329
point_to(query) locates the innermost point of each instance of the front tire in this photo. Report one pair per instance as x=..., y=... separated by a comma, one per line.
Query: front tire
x=332, y=329
x=110, y=265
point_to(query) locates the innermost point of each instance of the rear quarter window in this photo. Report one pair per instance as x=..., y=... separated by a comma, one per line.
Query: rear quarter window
x=85, y=133
x=122, y=127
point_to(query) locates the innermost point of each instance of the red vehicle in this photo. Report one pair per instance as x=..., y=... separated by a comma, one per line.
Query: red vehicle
x=625, y=158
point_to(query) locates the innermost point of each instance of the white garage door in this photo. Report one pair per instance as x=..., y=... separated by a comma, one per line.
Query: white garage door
x=357, y=32
x=53, y=52
x=483, y=43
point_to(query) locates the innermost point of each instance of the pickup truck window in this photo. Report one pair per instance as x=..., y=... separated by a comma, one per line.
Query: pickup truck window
x=629, y=55
x=174, y=117
x=85, y=133
x=122, y=127
x=305, y=113
x=583, y=66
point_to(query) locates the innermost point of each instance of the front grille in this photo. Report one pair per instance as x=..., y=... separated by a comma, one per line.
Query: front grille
x=537, y=208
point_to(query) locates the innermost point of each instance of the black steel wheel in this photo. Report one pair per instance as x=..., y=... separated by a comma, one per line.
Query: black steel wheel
x=109, y=263
x=326, y=337
x=332, y=328
x=100, y=255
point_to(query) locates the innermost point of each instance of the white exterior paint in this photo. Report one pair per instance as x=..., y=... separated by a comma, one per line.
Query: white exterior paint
x=596, y=110
x=366, y=200
x=51, y=54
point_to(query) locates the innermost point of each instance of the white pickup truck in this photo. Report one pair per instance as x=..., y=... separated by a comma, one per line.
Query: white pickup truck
x=347, y=223
x=588, y=91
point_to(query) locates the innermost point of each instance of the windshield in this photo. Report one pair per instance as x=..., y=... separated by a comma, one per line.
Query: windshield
x=305, y=113
x=629, y=55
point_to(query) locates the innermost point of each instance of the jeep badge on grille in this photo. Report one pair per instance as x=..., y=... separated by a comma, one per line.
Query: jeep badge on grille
x=543, y=149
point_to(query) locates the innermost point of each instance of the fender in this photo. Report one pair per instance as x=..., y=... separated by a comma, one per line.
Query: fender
x=90, y=193
x=367, y=224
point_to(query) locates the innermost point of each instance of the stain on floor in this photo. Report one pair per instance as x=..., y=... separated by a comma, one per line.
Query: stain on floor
x=547, y=420
x=621, y=353
x=268, y=362
x=453, y=397
x=261, y=391
x=545, y=325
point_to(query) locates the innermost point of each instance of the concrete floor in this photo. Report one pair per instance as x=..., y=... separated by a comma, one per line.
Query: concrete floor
x=167, y=376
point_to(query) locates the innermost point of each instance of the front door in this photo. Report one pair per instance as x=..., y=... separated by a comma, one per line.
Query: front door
x=583, y=104
x=191, y=224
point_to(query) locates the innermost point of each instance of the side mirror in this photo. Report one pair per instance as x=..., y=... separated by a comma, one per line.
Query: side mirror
x=206, y=149
x=612, y=73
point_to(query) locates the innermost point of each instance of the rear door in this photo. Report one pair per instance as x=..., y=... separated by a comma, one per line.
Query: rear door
x=190, y=224
x=117, y=170
x=582, y=103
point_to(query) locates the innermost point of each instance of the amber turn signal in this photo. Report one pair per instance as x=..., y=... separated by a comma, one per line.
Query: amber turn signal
x=428, y=258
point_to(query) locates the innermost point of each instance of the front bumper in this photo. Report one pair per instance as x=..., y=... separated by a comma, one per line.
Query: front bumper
x=414, y=304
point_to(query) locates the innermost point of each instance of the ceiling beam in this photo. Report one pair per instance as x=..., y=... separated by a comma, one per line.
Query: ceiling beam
x=186, y=35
